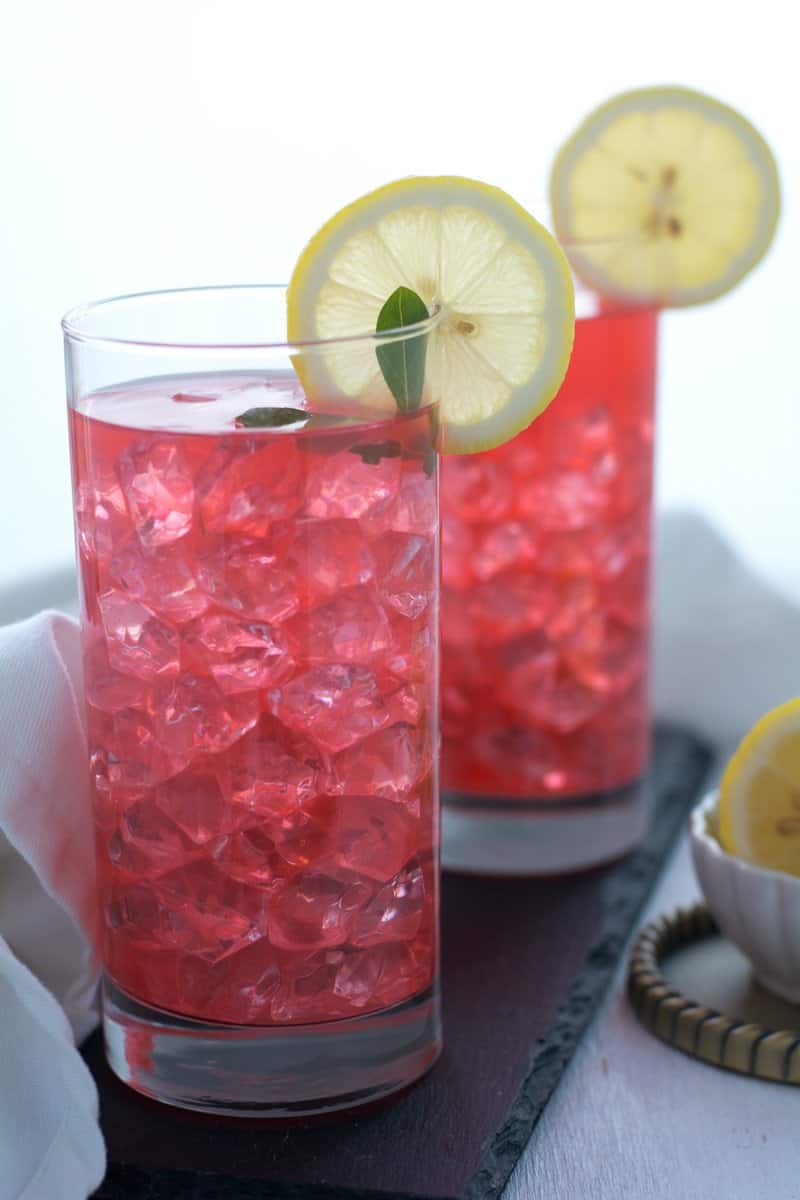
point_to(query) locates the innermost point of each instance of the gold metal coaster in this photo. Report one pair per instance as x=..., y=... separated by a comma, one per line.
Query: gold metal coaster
x=704, y=964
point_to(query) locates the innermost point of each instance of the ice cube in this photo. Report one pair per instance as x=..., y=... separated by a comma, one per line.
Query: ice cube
x=197, y=717
x=108, y=689
x=564, y=705
x=160, y=490
x=196, y=803
x=241, y=655
x=588, y=445
x=524, y=667
x=503, y=545
x=413, y=652
x=220, y=915
x=245, y=486
x=101, y=514
x=457, y=551
x=577, y=600
x=162, y=578
x=412, y=510
x=407, y=703
x=508, y=605
x=138, y=642
x=476, y=489
x=271, y=770
x=405, y=571
x=335, y=704
x=527, y=755
x=238, y=989
x=371, y=836
x=388, y=763
x=305, y=992
x=619, y=543
x=563, y=501
x=303, y=835
x=132, y=756
x=317, y=908
x=344, y=485
x=605, y=654
x=247, y=576
x=627, y=595
x=249, y=856
x=328, y=556
x=358, y=975
x=147, y=839
x=395, y=912
x=567, y=554
x=352, y=627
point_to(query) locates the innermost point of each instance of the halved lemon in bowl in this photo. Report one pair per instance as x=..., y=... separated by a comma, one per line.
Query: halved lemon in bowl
x=664, y=195
x=759, y=796
x=498, y=286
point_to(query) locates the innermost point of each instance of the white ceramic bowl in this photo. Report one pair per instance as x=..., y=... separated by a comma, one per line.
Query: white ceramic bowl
x=757, y=909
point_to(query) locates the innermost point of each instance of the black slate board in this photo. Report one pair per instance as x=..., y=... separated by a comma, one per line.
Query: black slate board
x=525, y=964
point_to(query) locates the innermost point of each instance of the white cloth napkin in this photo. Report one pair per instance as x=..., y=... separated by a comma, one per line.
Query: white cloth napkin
x=726, y=644
x=726, y=648
x=50, y=1142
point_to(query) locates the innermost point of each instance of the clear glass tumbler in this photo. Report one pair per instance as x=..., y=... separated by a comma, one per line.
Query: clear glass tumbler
x=259, y=611
x=546, y=546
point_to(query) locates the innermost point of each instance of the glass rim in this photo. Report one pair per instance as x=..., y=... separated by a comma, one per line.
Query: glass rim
x=70, y=324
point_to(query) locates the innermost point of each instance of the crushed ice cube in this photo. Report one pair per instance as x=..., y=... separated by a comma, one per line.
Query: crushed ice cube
x=245, y=576
x=395, y=912
x=160, y=490
x=405, y=571
x=388, y=763
x=163, y=578
x=343, y=485
x=352, y=627
x=196, y=716
x=241, y=655
x=335, y=704
x=138, y=642
x=246, y=486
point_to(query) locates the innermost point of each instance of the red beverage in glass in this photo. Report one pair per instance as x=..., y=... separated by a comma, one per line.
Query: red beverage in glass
x=259, y=613
x=545, y=600
x=259, y=623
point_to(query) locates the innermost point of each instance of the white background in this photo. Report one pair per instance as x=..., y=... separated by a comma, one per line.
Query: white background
x=179, y=142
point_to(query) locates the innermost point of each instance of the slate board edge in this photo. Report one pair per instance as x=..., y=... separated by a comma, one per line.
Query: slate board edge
x=124, y=1181
x=625, y=899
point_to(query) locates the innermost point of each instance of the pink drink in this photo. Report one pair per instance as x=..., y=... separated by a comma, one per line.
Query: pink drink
x=260, y=638
x=545, y=600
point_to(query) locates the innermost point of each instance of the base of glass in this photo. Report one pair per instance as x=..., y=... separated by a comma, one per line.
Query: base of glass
x=510, y=835
x=280, y=1072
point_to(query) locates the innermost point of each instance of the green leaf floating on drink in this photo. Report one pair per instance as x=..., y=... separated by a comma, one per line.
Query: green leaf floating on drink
x=402, y=362
x=271, y=418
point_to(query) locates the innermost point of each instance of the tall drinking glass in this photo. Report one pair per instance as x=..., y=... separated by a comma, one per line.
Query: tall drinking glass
x=259, y=614
x=546, y=618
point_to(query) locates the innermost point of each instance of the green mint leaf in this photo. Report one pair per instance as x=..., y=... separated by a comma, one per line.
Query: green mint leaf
x=271, y=418
x=429, y=461
x=372, y=453
x=403, y=363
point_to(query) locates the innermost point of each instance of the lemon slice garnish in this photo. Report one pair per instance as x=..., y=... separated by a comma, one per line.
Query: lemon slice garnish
x=497, y=283
x=759, y=798
x=665, y=195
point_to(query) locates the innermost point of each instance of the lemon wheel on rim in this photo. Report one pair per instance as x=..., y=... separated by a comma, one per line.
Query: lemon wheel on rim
x=498, y=283
x=664, y=195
